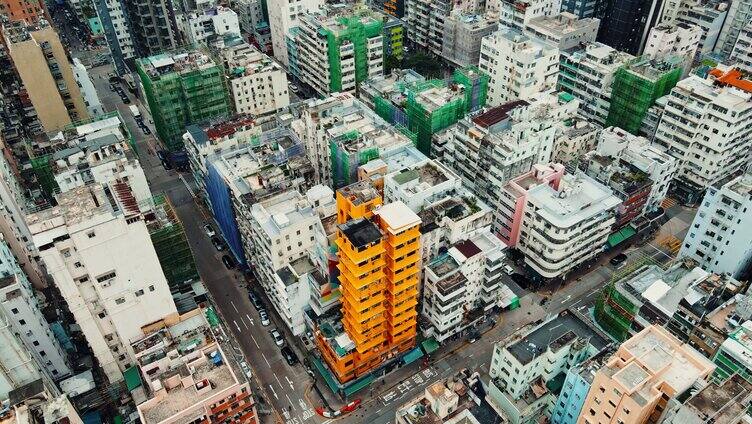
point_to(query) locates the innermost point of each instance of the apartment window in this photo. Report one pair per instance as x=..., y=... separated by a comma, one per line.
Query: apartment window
x=101, y=315
x=14, y=310
x=35, y=343
x=140, y=293
x=592, y=412
x=22, y=321
x=42, y=353
x=151, y=288
x=119, y=300
x=91, y=234
x=110, y=275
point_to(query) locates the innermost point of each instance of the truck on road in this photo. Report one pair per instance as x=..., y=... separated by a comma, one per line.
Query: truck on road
x=134, y=110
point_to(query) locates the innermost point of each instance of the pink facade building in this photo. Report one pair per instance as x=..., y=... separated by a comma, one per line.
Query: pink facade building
x=514, y=198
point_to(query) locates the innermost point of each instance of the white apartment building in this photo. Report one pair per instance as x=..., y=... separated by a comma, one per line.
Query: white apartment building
x=13, y=225
x=564, y=30
x=519, y=66
x=741, y=56
x=709, y=129
x=575, y=138
x=517, y=14
x=282, y=234
x=21, y=316
x=649, y=158
x=505, y=142
x=720, y=237
x=587, y=72
x=448, y=221
x=198, y=27
x=708, y=15
x=461, y=284
x=681, y=39
x=122, y=43
x=250, y=14
x=203, y=142
x=312, y=59
x=257, y=84
x=86, y=86
x=324, y=285
x=738, y=17
x=111, y=296
x=565, y=226
x=100, y=158
x=332, y=120
x=421, y=184
x=521, y=369
x=284, y=15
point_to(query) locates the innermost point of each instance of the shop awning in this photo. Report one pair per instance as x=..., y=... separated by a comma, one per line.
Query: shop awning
x=618, y=237
x=430, y=345
x=328, y=377
x=132, y=378
x=412, y=356
x=358, y=385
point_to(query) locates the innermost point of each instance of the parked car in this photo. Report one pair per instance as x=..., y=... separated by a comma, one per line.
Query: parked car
x=218, y=244
x=145, y=130
x=255, y=300
x=289, y=356
x=508, y=270
x=618, y=259
x=228, y=261
x=126, y=100
x=264, y=317
x=278, y=340
x=209, y=230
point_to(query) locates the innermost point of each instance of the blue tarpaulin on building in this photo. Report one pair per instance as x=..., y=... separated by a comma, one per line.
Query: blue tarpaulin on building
x=224, y=214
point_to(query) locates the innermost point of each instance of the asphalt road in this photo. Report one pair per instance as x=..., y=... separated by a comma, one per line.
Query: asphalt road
x=282, y=386
x=286, y=388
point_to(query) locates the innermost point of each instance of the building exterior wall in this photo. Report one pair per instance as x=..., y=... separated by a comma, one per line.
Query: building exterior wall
x=23, y=10
x=89, y=93
x=284, y=15
x=110, y=296
x=257, y=84
x=742, y=53
x=20, y=308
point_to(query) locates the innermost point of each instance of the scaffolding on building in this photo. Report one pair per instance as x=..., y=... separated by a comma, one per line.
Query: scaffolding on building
x=171, y=244
x=633, y=93
x=346, y=159
x=177, y=99
x=356, y=32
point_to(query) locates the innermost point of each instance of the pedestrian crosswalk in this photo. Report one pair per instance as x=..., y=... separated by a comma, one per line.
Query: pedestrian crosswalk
x=669, y=203
x=670, y=242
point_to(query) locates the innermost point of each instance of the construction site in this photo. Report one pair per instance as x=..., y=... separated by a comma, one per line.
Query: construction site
x=182, y=89
x=425, y=107
x=637, y=86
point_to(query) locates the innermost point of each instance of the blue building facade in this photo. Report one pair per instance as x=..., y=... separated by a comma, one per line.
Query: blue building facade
x=576, y=387
x=220, y=198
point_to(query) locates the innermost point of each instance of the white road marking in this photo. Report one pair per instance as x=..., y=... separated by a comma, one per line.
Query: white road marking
x=289, y=382
x=327, y=421
x=303, y=405
x=278, y=382
x=244, y=324
x=233, y=306
x=267, y=362
x=236, y=325
x=273, y=392
x=254, y=341
x=249, y=319
x=289, y=400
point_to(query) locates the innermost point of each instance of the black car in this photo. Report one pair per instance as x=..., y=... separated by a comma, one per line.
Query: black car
x=254, y=298
x=289, y=356
x=126, y=100
x=618, y=259
x=228, y=261
x=218, y=244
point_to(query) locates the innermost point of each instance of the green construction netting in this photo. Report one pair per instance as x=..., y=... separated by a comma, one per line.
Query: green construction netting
x=357, y=32
x=633, y=93
x=212, y=317
x=359, y=385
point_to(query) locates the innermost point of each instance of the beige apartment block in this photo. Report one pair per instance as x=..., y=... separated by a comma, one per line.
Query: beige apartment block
x=638, y=381
x=41, y=62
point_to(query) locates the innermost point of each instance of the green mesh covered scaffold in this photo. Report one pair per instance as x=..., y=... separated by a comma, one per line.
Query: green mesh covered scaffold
x=356, y=32
x=345, y=160
x=171, y=245
x=177, y=99
x=635, y=89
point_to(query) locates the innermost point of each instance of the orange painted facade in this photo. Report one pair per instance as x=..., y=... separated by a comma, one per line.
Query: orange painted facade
x=378, y=264
x=23, y=10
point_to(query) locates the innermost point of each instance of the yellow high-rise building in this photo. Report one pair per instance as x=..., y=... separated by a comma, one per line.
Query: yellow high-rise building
x=378, y=264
